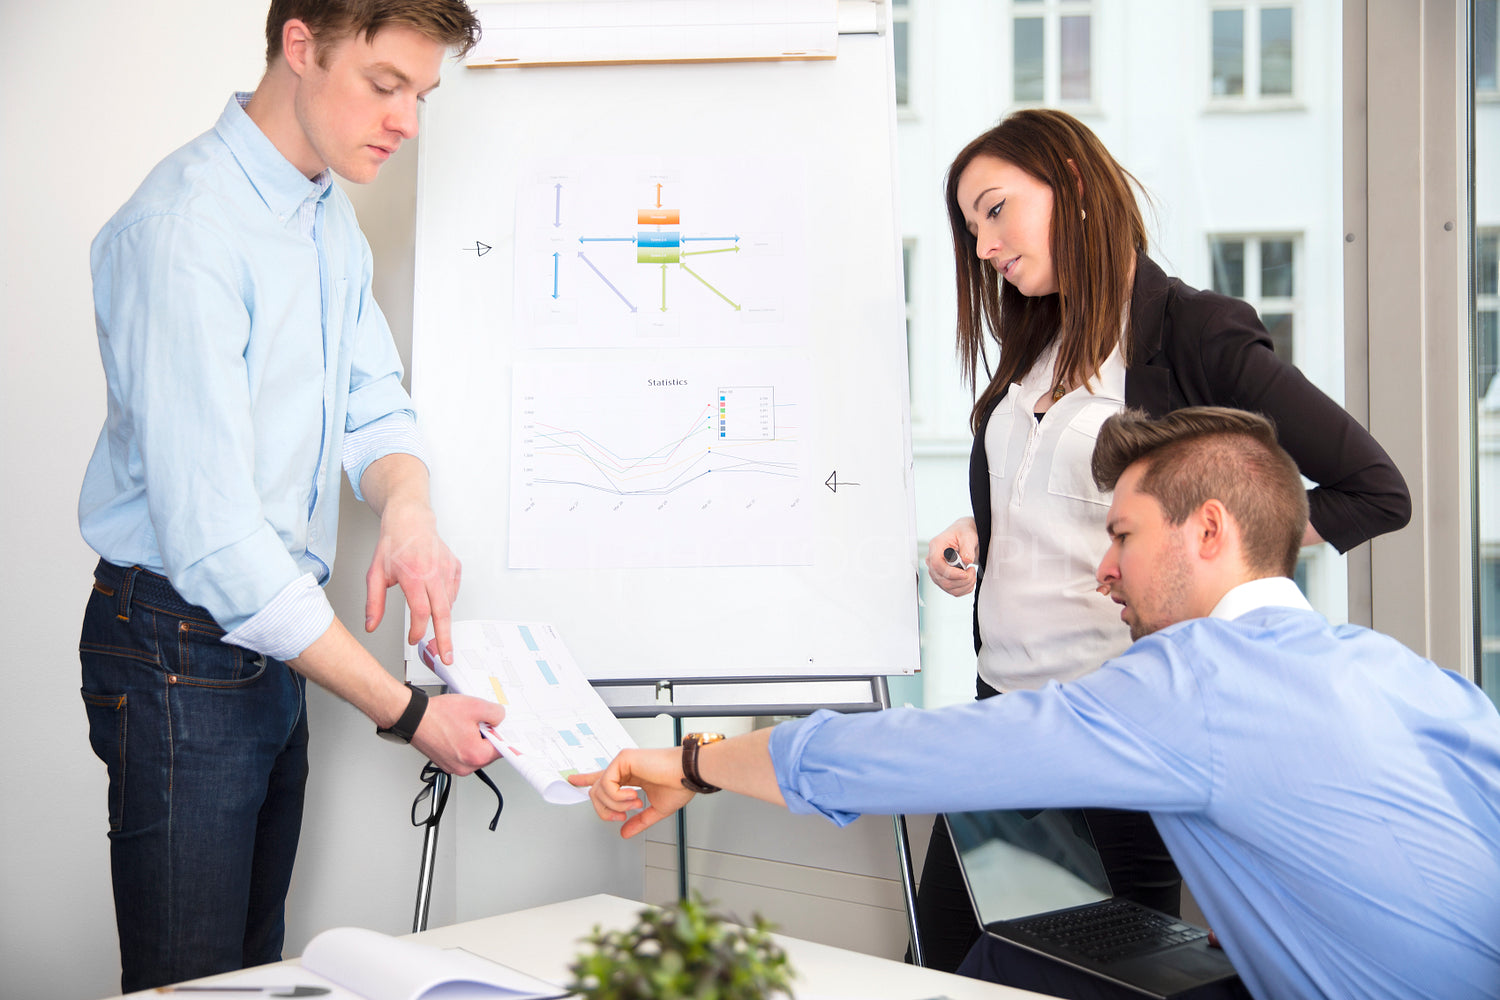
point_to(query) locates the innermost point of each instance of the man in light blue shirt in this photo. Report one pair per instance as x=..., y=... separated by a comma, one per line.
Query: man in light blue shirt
x=1332, y=799
x=247, y=367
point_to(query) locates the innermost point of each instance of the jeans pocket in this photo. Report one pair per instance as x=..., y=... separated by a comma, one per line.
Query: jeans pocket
x=107, y=733
x=205, y=660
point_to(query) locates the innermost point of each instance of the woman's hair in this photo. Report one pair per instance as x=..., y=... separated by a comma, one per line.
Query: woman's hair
x=1092, y=256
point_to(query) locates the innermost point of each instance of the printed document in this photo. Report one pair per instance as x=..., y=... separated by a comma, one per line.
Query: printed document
x=555, y=722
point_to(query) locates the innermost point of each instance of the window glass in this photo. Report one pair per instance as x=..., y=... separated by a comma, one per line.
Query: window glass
x=1485, y=142
x=1488, y=334
x=1279, y=326
x=1276, y=269
x=1229, y=267
x=1489, y=612
x=1228, y=53
x=1485, y=28
x=1029, y=62
x=900, y=25
x=1487, y=263
x=1077, y=82
x=1487, y=307
x=898, y=40
x=1276, y=51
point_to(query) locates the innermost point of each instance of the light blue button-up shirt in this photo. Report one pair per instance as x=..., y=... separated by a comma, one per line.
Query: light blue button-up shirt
x=246, y=361
x=1332, y=799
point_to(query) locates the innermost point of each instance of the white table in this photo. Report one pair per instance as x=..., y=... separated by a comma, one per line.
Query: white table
x=542, y=941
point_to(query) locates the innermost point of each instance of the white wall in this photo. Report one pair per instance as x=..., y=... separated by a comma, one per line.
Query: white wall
x=98, y=91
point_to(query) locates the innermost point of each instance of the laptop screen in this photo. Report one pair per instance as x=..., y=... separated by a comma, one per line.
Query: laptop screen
x=1018, y=863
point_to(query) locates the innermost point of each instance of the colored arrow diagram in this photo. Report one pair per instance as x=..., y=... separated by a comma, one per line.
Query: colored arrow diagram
x=554, y=275
x=700, y=253
x=602, y=278
x=711, y=288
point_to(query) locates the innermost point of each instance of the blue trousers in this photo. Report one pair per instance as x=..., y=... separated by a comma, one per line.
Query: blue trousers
x=206, y=748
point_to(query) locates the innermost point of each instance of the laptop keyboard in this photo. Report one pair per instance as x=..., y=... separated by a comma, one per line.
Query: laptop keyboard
x=1110, y=931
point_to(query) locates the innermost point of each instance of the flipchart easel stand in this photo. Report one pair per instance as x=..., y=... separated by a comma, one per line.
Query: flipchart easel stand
x=698, y=698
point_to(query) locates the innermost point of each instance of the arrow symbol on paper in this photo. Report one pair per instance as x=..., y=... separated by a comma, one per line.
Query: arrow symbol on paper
x=557, y=209
x=478, y=247
x=554, y=275
x=833, y=483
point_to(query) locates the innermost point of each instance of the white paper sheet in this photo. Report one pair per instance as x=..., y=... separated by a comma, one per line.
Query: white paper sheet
x=555, y=722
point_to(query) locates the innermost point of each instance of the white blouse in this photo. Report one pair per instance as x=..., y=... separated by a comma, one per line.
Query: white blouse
x=1040, y=617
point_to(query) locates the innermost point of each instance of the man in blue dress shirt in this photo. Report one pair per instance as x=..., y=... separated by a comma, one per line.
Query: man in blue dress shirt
x=1332, y=799
x=247, y=365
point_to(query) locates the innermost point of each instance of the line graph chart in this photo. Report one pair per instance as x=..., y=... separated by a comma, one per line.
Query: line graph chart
x=625, y=465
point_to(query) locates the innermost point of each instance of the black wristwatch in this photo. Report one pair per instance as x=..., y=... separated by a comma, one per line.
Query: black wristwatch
x=404, y=728
x=691, y=779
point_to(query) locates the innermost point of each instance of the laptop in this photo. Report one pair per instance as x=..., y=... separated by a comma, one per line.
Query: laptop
x=1036, y=880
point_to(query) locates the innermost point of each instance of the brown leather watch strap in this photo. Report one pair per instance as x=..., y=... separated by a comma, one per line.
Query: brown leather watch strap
x=691, y=779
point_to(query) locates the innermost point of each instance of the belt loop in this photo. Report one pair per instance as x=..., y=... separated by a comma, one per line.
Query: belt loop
x=127, y=584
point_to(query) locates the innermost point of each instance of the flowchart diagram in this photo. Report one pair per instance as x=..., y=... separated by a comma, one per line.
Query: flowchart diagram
x=623, y=253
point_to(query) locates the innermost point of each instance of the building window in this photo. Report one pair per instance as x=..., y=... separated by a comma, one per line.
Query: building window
x=1262, y=270
x=908, y=251
x=1052, y=52
x=901, y=42
x=1486, y=69
x=1489, y=614
x=1487, y=308
x=1252, y=49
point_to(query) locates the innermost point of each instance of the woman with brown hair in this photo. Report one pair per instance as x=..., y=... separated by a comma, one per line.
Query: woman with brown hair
x=1050, y=250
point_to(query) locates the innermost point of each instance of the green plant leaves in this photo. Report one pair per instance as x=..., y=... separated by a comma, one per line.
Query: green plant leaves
x=682, y=952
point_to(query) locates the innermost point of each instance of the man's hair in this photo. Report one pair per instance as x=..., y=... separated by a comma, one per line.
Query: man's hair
x=449, y=22
x=1213, y=453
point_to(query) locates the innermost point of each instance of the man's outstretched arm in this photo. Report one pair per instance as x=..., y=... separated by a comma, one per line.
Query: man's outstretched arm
x=741, y=764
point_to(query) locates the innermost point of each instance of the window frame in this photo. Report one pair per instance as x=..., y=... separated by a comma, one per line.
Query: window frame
x=1253, y=292
x=1252, y=100
x=901, y=14
x=1051, y=13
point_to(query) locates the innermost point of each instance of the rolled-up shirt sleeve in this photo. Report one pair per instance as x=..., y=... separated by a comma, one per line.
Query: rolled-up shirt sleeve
x=394, y=434
x=293, y=620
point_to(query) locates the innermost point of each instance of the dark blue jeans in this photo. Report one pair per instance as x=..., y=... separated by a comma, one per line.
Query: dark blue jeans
x=206, y=747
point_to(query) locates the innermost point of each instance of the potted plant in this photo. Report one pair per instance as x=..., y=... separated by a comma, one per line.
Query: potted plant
x=682, y=952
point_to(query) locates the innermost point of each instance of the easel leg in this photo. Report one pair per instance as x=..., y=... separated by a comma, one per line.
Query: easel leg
x=435, y=791
x=882, y=692
x=908, y=889
x=682, y=888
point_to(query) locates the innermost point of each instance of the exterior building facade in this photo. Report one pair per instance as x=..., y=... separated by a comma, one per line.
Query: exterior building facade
x=1231, y=115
